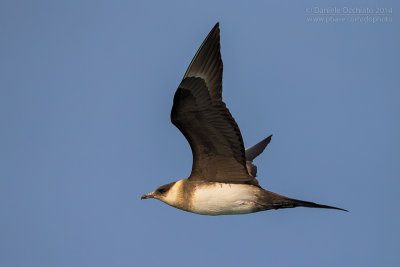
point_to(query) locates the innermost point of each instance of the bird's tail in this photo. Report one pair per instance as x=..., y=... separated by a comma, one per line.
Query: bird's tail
x=275, y=201
x=308, y=204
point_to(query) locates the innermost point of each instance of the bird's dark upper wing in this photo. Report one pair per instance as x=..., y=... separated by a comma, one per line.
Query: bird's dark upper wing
x=201, y=115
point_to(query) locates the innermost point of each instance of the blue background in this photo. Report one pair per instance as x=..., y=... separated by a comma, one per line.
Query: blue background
x=86, y=89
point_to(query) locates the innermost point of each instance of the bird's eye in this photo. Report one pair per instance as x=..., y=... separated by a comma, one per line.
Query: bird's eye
x=161, y=190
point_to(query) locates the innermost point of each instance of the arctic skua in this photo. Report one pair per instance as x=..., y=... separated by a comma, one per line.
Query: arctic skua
x=223, y=178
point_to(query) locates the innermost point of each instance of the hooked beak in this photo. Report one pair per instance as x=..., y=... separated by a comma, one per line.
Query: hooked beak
x=146, y=196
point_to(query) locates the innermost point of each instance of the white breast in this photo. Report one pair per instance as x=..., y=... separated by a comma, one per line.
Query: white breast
x=220, y=199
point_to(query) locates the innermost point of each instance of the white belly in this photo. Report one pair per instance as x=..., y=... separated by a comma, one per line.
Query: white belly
x=220, y=199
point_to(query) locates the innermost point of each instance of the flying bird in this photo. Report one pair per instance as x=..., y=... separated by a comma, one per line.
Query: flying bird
x=223, y=178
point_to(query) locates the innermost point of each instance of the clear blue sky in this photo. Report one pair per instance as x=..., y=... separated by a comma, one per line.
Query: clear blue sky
x=86, y=89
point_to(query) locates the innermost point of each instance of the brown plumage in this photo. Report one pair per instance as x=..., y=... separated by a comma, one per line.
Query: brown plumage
x=222, y=180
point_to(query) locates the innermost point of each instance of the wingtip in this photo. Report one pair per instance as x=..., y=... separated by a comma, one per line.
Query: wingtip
x=215, y=28
x=207, y=59
x=266, y=140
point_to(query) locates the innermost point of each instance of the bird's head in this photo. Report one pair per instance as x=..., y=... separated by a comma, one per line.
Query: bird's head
x=160, y=193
